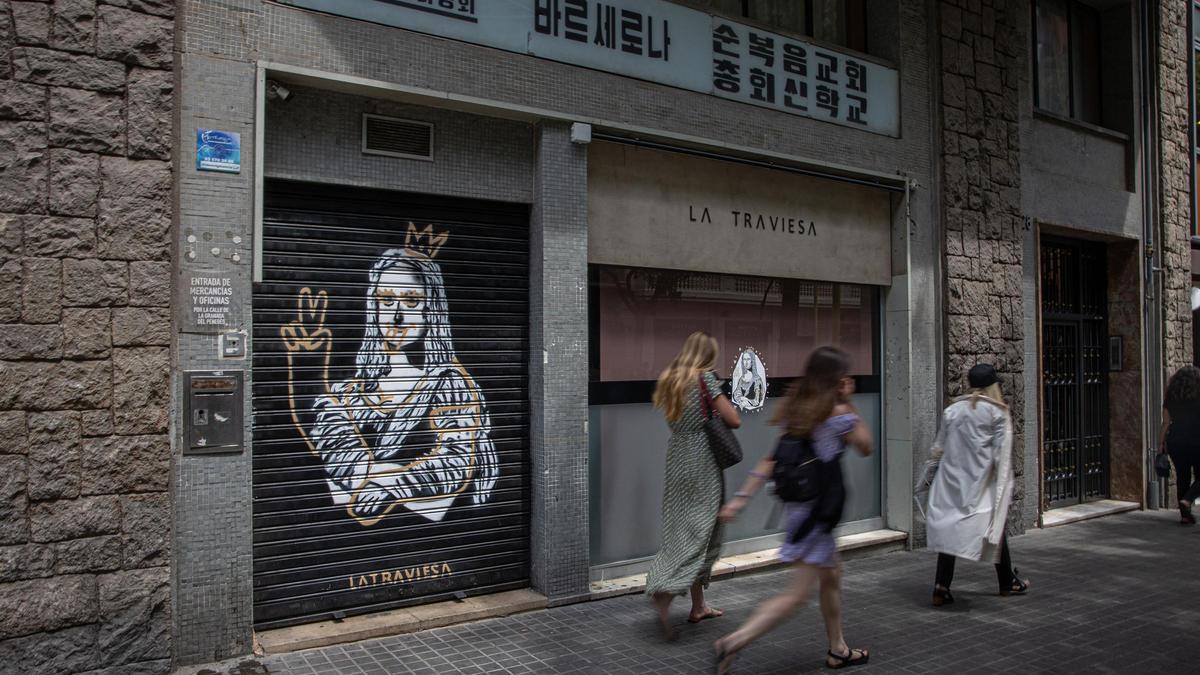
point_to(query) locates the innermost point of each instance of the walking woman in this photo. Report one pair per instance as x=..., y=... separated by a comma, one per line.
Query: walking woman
x=970, y=494
x=818, y=417
x=694, y=486
x=1181, y=437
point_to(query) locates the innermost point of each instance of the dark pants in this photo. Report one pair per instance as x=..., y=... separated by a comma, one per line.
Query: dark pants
x=1004, y=570
x=1187, y=474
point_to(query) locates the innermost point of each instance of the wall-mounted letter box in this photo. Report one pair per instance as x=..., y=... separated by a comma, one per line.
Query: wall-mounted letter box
x=213, y=412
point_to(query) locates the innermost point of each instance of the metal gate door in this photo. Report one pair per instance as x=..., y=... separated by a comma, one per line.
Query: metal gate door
x=390, y=401
x=1075, y=437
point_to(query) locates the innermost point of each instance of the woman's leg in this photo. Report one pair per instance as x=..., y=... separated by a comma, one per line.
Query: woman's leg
x=831, y=611
x=831, y=608
x=771, y=612
x=945, y=571
x=1004, y=569
x=1183, y=473
x=700, y=610
x=662, y=605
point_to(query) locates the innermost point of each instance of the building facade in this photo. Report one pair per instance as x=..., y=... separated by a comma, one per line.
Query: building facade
x=375, y=293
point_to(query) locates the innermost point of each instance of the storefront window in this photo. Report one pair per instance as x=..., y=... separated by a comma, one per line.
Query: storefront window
x=645, y=315
x=639, y=320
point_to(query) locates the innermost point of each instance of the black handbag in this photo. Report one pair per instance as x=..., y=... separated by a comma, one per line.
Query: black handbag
x=725, y=447
x=1162, y=465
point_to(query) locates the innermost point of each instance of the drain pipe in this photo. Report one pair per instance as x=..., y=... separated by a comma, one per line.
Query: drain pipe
x=1152, y=371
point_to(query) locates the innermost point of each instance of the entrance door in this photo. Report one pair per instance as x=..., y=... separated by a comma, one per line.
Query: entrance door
x=390, y=401
x=1075, y=438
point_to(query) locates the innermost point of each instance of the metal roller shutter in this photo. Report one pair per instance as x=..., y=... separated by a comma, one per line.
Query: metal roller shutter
x=390, y=401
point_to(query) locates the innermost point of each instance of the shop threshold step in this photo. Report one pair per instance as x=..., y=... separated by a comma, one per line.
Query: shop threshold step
x=1079, y=512
x=873, y=541
x=398, y=621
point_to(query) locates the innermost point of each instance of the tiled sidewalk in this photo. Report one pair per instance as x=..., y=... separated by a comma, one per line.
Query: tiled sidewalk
x=1116, y=595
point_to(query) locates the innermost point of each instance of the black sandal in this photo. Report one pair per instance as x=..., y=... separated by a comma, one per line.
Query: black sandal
x=1185, y=513
x=1017, y=587
x=849, y=659
x=942, y=596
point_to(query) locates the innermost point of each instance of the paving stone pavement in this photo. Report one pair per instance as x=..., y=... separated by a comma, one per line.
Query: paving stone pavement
x=1115, y=595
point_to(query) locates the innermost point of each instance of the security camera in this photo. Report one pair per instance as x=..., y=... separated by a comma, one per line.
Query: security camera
x=277, y=91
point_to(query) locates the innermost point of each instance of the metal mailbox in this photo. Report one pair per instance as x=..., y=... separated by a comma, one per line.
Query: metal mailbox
x=213, y=412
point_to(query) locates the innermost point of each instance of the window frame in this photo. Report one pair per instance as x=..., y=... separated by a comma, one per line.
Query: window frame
x=1071, y=67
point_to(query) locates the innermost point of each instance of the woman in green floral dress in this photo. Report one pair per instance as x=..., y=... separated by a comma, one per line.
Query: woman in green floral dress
x=694, y=487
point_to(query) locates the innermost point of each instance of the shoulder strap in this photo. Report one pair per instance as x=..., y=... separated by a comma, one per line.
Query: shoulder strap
x=705, y=399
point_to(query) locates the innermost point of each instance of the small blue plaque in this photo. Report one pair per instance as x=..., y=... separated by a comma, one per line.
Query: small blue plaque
x=218, y=151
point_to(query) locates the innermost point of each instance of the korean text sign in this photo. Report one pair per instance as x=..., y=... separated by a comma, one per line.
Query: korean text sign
x=660, y=42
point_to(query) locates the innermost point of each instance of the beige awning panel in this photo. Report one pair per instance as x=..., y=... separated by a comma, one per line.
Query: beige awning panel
x=666, y=210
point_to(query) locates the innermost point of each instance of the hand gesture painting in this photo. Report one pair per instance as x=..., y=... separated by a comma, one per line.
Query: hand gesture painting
x=410, y=428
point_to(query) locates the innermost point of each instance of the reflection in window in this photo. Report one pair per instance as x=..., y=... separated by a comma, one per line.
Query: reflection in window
x=1068, y=35
x=839, y=22
x=645, y=315
x=1053, y=58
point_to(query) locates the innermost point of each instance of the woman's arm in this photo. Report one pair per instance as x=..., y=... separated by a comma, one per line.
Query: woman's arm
x=727, y=412
x=859, y=436
x=760, y=475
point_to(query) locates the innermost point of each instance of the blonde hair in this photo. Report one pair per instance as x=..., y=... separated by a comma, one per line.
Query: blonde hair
x=992, y=391
x=699, y=355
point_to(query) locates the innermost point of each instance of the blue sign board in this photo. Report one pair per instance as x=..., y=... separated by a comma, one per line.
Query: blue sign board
x=218, y=151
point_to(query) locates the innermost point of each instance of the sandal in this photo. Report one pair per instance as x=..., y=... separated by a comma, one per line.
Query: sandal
x=942, y=596
x=1185, y=513
x=853, y=657
x=1017, y=587
x=709, y=613
x=723, y=659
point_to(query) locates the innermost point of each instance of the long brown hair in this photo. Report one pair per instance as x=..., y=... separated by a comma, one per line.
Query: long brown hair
x=1184, y=386
x=812, y=398
x=699, y=354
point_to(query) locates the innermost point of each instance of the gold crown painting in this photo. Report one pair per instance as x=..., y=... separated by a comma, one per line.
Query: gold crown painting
x=424, y=242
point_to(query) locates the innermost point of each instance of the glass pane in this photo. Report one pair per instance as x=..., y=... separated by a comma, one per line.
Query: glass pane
x=829, y=20
x=645, y=315
x=1053, y=60
x=726, y=7
x=1196, y=92
x=1085, y=48
x=786, y=15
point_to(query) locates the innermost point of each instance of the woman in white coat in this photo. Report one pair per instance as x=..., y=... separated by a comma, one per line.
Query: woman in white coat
x=970, y=494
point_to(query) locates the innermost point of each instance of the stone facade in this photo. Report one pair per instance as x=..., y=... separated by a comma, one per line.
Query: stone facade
x=1175, y=195
x=984, y=58
x=86, y=92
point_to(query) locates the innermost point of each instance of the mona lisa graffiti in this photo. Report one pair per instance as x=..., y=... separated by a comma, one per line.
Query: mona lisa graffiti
x=410, y=427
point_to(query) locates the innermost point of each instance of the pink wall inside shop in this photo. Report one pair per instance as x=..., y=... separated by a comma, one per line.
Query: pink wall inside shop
x=640, y=335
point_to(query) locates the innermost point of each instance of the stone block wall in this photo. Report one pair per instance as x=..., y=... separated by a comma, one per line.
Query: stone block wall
x=984, y=54
x=86, y=90
x=1175, y=194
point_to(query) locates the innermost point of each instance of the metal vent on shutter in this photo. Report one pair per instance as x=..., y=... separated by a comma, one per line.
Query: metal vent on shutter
x=393, y=137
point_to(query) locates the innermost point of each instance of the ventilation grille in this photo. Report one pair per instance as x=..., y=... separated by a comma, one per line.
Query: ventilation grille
x=393, y=137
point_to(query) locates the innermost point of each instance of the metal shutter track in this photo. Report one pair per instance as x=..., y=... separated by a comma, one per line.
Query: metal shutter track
x=313, y=556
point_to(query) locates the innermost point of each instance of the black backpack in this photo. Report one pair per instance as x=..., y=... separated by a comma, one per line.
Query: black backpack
x=798, y=472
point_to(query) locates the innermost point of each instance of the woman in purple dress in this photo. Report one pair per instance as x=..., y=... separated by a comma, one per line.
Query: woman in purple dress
x=817, y=409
